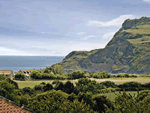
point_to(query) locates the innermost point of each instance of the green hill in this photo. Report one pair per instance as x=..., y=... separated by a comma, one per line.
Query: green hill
x=128, y=51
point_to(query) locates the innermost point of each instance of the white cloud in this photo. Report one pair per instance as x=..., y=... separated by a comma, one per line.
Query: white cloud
x=115, y=22
x=147, y=1
x=87, y=37
x=108, y=35
x=81, y=33
x=7, y=51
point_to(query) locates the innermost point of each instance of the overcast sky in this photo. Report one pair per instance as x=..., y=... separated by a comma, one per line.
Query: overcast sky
x=57, y=27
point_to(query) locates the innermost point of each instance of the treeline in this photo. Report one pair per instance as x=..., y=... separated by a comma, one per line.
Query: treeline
x=82, y=97
x=56, y=72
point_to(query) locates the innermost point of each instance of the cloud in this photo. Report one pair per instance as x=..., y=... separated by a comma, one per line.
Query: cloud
x=7, y=51
x=147, y=1
x=108, y=35
x=87, y=37
x=115, y=22
x=81, y=33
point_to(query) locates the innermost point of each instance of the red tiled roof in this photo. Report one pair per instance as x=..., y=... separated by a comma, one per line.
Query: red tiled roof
x=6, y=72
x=9, y=108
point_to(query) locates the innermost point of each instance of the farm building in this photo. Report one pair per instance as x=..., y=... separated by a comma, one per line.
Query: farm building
x=7, y=73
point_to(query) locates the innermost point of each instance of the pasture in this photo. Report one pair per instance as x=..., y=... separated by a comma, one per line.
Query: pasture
x=117, y=81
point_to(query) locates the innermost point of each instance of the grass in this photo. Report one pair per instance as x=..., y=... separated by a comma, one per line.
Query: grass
x=141, y=29
x=113, y=95
x=117, y=81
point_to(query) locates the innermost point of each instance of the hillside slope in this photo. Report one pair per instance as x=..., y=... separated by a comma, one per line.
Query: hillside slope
x=128, y=51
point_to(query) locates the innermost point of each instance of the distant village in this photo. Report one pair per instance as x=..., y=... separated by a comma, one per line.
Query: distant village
x=11, y=74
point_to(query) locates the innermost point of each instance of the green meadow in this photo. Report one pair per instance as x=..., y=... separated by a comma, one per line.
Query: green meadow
x=117, y=81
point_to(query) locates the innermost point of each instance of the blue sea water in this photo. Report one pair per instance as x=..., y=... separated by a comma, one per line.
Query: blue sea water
x=17, y=63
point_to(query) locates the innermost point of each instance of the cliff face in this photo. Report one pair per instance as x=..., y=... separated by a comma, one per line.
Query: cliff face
x=128, y=51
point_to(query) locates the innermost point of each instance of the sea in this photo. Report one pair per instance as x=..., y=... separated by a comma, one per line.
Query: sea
x=17, y=63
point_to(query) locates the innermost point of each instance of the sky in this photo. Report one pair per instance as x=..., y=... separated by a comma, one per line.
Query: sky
x=57, y=27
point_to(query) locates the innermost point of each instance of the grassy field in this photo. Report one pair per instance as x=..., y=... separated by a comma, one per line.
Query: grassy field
x=112, y=95
x=31, y=84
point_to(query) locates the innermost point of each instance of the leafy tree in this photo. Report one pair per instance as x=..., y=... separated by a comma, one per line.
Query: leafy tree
x=58, y=69
x=20, y=76
x=126, y=103
x=13, y=83
x=126, y=75
x=38, y=87
x=143, y=94
x=2, y=77
x=78, y=74
x=23, y=101
x=72, y=97
x=68, y=87
x=59, y=86
x=47, y=87
x=28, y=90
x=48, y=102
x=85, y=84
x=86, y=97
x=109, y=84
x=131, y=86
x=102, y=102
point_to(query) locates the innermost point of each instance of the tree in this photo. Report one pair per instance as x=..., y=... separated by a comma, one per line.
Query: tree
x=20, y=76
x=58, y=69
x=78, y=74
x=2, y=77
x=102, y=102
x=47, y=87
x=109, y=84
x=68, y=87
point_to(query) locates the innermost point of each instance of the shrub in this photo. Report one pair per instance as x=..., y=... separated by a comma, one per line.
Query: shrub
x=109, y=84
x=131, y=86
x=20, y=76
x=47, y=87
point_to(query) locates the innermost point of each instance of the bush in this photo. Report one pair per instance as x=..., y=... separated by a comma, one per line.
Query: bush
x=102, y=102
x=47, y=87
x=20, y=76
x=109, y=84
x=77, y=75
x=2, y=77
x=131, y=86
x=38, y=87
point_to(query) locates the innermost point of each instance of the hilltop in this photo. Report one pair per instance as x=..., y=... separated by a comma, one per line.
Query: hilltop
x=128, y=51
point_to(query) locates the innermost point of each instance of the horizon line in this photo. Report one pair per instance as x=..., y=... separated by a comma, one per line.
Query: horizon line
x=33, y=55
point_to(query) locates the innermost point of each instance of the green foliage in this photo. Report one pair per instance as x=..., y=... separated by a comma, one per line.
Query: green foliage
x=38, y=87
x=77, y=74
x=141, y=96
x=86, y=98
x=9, y=91
x=13, y=83
x=47, y=87
x=68, y=87
x=72, y=97
x=131, y=86
x=102, y=102
x=126, y=103
x=2, y=77
x=109, y=84
x=47, y=102
x=20, y=76
x=58, y=69
x=85, y=84
x=28, y=90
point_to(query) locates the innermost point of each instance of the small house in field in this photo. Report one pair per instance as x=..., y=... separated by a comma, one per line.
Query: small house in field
x=26, y=72
x=7, y=73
